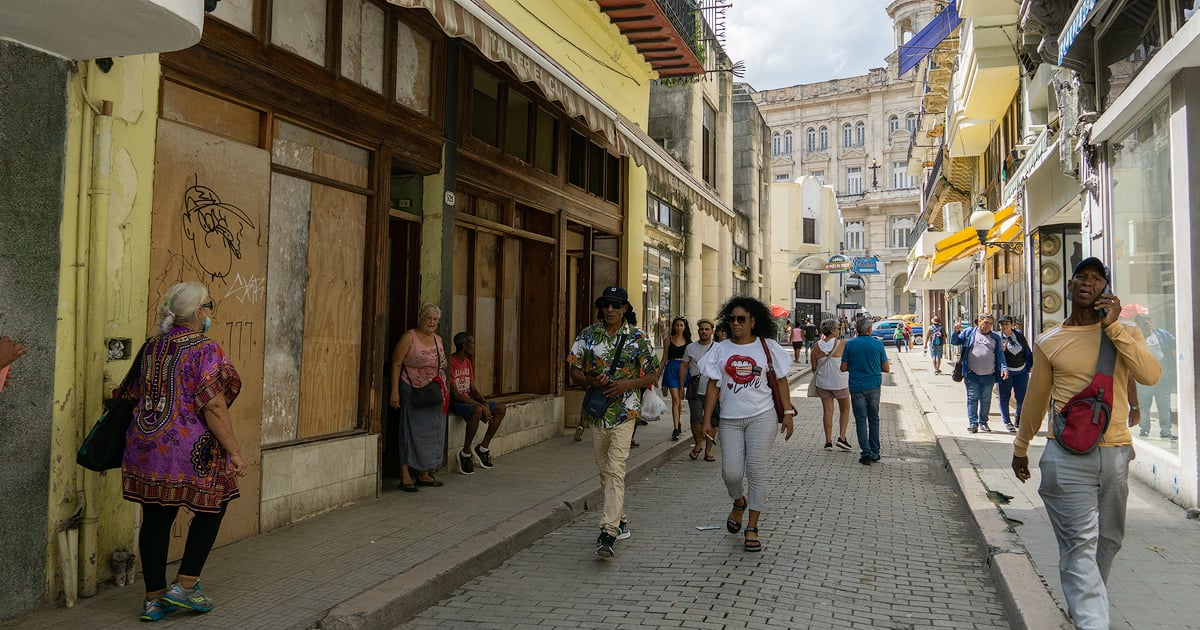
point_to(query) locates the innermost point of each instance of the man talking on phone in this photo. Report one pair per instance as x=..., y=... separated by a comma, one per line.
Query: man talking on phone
x=1084, y=494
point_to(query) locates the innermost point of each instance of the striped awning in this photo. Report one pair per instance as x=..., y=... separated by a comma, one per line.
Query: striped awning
x=501, y=42
x=965, y=242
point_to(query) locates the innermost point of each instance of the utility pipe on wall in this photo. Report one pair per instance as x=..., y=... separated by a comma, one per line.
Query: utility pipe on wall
x=93, y=350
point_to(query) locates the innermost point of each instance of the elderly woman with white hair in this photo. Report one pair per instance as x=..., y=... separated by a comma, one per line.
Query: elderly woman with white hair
x=180, y=448
x=419, y=392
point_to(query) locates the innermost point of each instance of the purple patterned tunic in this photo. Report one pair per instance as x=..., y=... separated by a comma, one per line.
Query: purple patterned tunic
x=171, y=458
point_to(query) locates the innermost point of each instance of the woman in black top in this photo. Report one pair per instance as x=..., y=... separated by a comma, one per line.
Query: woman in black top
x=677, y=342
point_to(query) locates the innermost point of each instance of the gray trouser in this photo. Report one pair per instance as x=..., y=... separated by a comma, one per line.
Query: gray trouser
x=1085, y=498
x=744, y=446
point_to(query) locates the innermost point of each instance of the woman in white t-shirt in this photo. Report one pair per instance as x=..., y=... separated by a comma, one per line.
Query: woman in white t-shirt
x=832, y=383
x=737, y=370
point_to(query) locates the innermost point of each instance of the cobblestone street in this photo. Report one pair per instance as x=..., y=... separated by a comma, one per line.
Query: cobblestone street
x=845, y=546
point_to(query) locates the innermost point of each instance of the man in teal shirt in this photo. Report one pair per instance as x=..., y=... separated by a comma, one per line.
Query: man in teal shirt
x=866, y=361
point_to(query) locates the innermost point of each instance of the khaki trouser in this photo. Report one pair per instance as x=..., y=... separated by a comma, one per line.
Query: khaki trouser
x=612, y=449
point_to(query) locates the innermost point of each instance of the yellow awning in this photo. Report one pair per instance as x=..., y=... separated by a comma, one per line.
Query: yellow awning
x=965, y=242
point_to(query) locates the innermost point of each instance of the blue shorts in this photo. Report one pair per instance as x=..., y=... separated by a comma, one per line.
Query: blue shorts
x=935, y=352
x=466, y=409
x=671, y=374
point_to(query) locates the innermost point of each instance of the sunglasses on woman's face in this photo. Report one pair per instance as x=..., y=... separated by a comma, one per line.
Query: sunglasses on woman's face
x=736, y=319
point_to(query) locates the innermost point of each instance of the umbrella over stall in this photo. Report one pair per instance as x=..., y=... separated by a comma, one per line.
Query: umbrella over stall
x=779, y=311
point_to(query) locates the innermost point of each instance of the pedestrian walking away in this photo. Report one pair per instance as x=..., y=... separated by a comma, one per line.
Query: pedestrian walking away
x=1018, y=356
x=470, y=405
x=677, y=343
x=180, y=449
x=738, y=380
x=615, y=360
x=865, y=360
x=1085, y=493
x=898, y=338
x=420, y=397
x=697, y=386
x=797, y=340
x=832, y=385
x=811, y=335
x=937, y=342
x=982, y=361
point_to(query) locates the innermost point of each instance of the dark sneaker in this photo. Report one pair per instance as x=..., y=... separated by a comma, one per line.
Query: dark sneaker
x=623, y=532
x=192, y=598
x=985, y=428
x=1010, y=427
x=604, y=545
x=465, y=465
x=865, y=461
x=829, y=446
x=843, y=445
x=972, y=429
x=485, y=457
x=675, y=434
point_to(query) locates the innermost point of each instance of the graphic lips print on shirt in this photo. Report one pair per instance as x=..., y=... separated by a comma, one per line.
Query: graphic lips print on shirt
x=743, y=372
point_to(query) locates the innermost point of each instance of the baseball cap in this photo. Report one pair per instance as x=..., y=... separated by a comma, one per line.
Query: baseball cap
x=613, y=293
x=1094, y=263
x=1005, y=319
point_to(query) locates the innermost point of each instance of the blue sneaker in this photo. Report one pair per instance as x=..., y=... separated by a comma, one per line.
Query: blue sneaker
x=623, y=532
x=155, y=610
x=190, y=598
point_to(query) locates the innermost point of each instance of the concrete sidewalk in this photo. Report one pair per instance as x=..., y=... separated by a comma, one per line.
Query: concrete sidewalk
x=377, y=563
x=1156, y=577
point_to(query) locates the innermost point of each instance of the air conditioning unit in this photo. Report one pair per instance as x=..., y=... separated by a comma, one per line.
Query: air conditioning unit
x=952, y=216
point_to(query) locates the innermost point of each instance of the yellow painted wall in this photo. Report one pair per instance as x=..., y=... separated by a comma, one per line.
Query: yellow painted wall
x=577, y=35
x=132, y=86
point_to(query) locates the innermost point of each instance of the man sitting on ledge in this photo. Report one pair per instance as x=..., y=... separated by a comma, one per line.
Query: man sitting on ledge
x=468, y=403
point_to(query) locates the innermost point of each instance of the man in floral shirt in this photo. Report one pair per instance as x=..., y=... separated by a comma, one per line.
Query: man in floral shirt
x=636, y=368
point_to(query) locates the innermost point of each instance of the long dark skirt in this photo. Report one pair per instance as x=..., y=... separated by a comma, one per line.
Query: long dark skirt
x=422, y=433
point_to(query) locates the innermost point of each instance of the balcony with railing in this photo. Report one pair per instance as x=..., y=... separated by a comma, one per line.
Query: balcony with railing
x=665, y=33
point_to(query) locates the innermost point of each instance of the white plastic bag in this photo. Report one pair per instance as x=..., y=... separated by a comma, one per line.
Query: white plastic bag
x=653, y=405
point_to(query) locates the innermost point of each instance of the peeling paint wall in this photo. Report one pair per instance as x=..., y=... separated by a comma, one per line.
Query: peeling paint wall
x=33, y=131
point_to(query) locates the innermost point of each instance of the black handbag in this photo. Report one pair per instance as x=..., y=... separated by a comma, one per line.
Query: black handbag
x=957, y=374
x=595, y=403
x=429, y=395
x=104, y=445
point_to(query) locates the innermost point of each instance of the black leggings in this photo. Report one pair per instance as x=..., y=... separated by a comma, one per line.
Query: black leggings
x=155, y=539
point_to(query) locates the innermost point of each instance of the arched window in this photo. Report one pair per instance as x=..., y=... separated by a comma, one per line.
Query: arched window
x=787, y=143
x=910, y=122
x=847, y=136
x=775, y=143
x=855, y=236
x=824, y=140
x=860, y=134
x=901, y=228
x=810, y=140
x=893, y=123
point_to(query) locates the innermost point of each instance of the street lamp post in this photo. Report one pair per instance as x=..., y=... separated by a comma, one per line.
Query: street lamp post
x=983, y=221
x=874, y=173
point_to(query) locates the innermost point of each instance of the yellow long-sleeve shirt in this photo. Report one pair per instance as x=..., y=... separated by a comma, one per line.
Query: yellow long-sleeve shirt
x=1064, y=362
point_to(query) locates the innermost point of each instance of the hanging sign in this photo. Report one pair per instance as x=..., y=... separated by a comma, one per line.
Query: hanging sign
x=866, y=265
x=838, y=264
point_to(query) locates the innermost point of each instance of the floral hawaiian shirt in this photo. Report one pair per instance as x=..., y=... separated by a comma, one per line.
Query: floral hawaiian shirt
x=594, y=351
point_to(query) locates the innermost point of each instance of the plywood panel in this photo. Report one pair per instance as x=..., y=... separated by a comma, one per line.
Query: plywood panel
x=183, y=104
x=333, y=312
x=287, y=267
x=209, y=223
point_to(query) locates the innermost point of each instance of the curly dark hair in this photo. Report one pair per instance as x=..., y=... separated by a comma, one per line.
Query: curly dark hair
x=764, y=325
x=687, y=328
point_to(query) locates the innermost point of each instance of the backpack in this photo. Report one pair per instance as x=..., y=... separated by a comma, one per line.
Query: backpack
x=1084, y=419
x=937, y=337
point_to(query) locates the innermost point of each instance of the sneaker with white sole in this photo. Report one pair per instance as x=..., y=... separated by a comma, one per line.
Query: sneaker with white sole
x=842, y=444
x=828, y=446
x=190, y=598
x=623, y=532
x=485, y=457
x=465, y=465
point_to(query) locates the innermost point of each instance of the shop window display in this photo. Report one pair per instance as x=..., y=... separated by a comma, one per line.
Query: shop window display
x=1143, y=262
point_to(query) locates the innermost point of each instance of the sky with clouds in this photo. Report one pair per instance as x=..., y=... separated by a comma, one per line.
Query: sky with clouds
x=788, y=42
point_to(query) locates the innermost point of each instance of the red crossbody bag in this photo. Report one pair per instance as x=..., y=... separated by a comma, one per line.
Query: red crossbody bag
x=773, y=383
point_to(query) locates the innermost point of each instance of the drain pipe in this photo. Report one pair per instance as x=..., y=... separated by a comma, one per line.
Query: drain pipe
x=96, y=309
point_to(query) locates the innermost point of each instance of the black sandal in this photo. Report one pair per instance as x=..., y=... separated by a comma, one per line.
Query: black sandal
x=694, y=454
x=752, y=545
x=732, y=525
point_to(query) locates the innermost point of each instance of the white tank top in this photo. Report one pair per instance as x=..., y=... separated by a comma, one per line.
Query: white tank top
x=829, y=369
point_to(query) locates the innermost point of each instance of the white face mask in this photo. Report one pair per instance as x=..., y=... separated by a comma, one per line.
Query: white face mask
x=207, y=324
